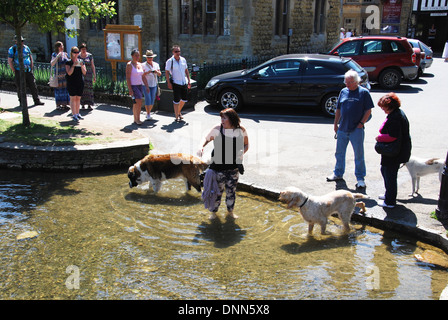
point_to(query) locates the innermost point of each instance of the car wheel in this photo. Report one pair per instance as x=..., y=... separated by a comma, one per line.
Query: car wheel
x=390, y=79
x=417, y=76
x=230, y=98
x=329, y=103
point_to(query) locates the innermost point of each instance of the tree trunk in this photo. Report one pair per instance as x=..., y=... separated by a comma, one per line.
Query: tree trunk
x=22, y=87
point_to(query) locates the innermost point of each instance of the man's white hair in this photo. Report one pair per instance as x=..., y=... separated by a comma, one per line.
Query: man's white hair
x=352, y=74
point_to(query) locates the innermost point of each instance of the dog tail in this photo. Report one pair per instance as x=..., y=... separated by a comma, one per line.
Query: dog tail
x=360, y=196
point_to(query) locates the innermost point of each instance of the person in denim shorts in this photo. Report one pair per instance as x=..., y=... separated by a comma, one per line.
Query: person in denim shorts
x=135, y=81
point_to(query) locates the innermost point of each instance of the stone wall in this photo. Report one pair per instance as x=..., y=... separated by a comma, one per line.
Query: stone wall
x=72, y=158
x=252, y=25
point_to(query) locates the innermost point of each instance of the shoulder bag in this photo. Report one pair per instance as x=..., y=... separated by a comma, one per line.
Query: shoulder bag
x=54, y=76
x=388, y=149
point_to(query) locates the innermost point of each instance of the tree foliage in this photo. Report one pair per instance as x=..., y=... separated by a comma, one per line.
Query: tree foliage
x=47, y=15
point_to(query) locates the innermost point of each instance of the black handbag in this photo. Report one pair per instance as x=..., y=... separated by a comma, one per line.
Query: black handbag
x=388, y=149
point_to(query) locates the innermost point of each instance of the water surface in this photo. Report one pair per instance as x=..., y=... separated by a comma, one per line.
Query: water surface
x=131, y=244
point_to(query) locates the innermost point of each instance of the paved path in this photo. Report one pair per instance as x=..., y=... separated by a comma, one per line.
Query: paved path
x=288, y=148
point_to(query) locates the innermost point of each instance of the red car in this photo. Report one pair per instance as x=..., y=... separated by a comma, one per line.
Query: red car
x=388, y=60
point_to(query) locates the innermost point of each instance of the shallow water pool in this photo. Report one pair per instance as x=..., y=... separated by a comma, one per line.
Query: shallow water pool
x=98, y=239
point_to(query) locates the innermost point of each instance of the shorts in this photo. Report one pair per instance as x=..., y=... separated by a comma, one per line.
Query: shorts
x=180, y=93
x=151, y=96
x=138, y=91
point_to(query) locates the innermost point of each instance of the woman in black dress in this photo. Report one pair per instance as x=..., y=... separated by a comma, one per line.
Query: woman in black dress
x=75, y=84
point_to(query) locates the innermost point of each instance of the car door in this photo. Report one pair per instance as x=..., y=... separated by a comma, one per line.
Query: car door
x=319, y=78
x=373, y=57
x=274, y=83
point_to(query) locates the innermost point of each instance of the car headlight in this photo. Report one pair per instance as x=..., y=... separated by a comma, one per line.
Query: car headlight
x=211, y=83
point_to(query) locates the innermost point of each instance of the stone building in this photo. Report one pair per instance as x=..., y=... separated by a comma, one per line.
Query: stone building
x=429, y=21
x=208, y=30
x=372, y=17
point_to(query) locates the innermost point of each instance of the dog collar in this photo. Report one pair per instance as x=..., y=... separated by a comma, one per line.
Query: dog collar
x=303, y=202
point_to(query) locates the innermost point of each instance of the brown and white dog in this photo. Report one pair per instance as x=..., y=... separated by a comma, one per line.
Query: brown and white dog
x=156, y=168
x=317, y=209
x=419, y=167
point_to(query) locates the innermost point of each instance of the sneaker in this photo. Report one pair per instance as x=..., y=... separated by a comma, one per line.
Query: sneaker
x=38, y=103
x=382, y=197
x=79, y=117
x=333, y=177
x=361, y=184
x=385, y=205
x=75, y=119
x=148, y=117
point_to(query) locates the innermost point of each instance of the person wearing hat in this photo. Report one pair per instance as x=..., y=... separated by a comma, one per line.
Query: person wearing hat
x=13, y=61
x=151, y=70
x=342, y=34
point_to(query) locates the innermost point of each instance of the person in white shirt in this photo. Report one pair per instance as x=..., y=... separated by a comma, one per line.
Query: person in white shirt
x=151, y=70
x=342, y=34
x=178, y=80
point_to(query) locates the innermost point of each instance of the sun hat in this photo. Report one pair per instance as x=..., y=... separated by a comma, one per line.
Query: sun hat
x=149, y=54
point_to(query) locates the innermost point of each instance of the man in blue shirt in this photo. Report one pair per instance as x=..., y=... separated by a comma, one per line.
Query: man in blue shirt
x=353, y=110
x=13, y=61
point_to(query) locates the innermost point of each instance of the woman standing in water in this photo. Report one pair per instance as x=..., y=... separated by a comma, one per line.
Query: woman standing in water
x=230, y=142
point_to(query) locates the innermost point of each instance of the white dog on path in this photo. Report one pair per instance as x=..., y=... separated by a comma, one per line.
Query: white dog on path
x=419, y=167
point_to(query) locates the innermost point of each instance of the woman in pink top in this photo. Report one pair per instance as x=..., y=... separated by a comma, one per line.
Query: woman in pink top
x=395, y=127
x=135, y=81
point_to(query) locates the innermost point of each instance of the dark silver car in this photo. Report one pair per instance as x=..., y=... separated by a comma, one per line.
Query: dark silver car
x=292, y=80
x=426, y=61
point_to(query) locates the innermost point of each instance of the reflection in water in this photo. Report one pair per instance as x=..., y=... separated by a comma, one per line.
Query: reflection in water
x=132, y=244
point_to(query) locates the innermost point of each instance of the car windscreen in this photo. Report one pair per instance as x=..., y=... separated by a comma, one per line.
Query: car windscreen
x=337, y=44
x=350, y=64
x=246, y=71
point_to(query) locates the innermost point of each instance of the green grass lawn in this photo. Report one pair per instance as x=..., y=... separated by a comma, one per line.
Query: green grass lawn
x=44, y=132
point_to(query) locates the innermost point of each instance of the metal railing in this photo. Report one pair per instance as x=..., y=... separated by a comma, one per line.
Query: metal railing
x=201, y=73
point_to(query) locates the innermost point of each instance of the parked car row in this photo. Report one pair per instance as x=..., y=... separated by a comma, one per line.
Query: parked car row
x=294, y=79
x=316, y=79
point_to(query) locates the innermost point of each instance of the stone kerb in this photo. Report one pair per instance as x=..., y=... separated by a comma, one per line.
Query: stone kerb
x=117, y=154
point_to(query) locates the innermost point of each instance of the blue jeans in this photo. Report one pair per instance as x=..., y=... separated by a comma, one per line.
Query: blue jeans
x=390, y=173
x=151, y=96
x=356, y=138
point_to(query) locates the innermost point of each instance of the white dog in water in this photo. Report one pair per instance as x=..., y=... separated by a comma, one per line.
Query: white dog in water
x=317, y=209
x=419, y=167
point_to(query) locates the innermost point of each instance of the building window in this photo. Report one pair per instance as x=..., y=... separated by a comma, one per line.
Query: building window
x=364, y=29
x=281, y=21
x=319, y=16
x=185, y=16
x=206, y=17
x=197, y=16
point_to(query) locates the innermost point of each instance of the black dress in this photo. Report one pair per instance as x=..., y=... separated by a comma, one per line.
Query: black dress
x=75, y=82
